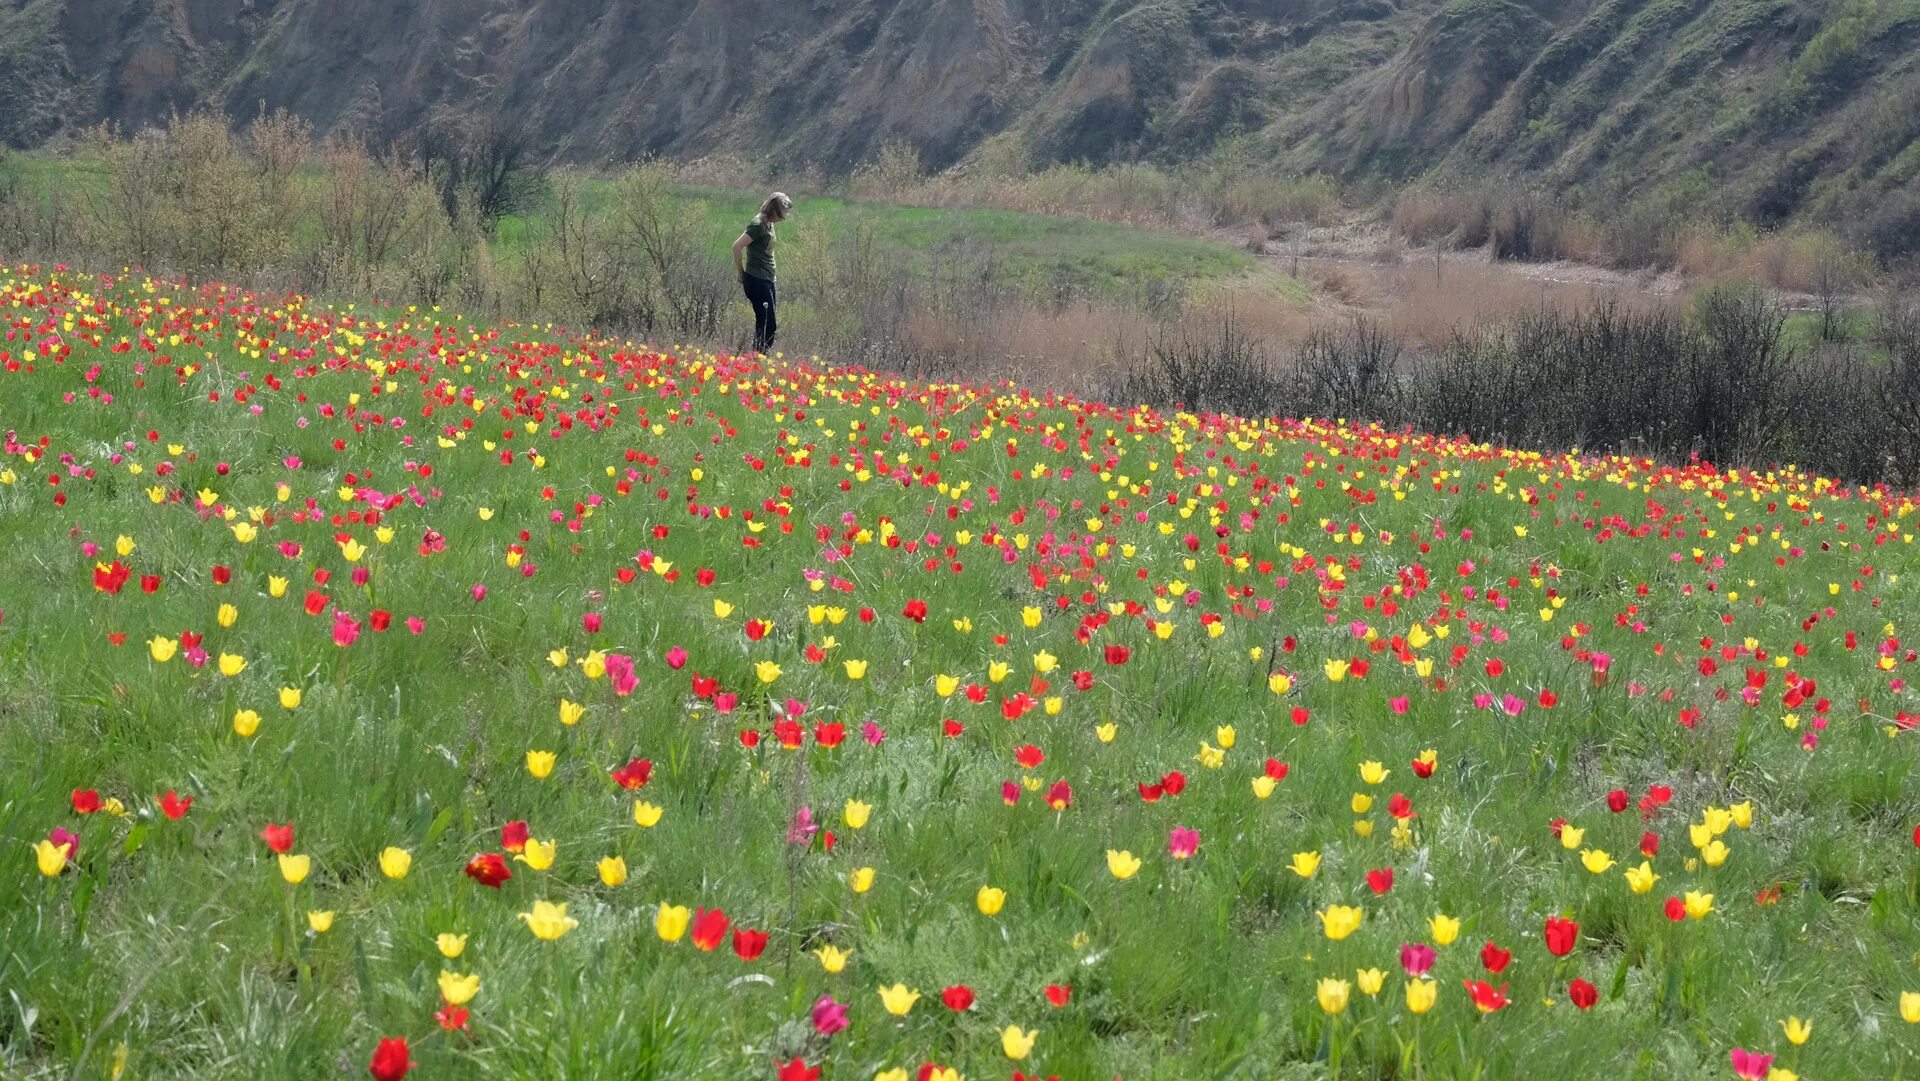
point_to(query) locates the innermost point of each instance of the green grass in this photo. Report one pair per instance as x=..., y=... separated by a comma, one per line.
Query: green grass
x=1033, y=252
x=1041, y=533
x=1043, y=255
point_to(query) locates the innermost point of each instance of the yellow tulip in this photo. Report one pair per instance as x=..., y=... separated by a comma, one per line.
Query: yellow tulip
x=1364, y=827
x=832, y=958
x=1715, y=853
x=1339, y=921
x=1641, y=879
x=1445, y=929
x=557, y=658
x=51, y=857
x=1420, y=995
x=295, y=868
x=1106, y=732
x=1122, y=865
x=721, y=609
x=1370, y=980
x=548, y=921
x=1698, y=904
x=395, y=862
x=1279, y=683
x=232, y=664
x=449, y=944
x=990, y=900
x=945, y=685
x=245, y=723
x=1373, y=772
x=766, y=671
x=571, y=712
x=1225, y=736
x=861, y=879
x=1305, y=864
x=1910, y=1007
x=458, y=990
x=1742, y=814
x=855, y=814
x=1361, y=803
x=540, y=764
x=320, y=921
x=1797, y=1031
x=613, y=870
x=670, y=922
x=1571, y=836
x=594, y=664
x=855, y=669
x=1263, y=786
x=1210, y=756
x=290, y=698
x=1596, y=860
x=276, y=585
x=1333, y=994
x=162, y=649
x=1336, y=671
x=1017, y=1044
x=538, y=854
x=647, y=815
x=898, y=1000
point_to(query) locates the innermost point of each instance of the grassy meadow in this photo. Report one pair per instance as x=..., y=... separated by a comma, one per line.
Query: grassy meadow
x=398, y=694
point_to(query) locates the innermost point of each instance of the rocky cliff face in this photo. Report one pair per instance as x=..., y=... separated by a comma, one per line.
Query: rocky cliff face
x=1786, y=107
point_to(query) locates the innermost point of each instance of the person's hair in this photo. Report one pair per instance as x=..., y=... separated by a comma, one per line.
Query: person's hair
x=776, y=206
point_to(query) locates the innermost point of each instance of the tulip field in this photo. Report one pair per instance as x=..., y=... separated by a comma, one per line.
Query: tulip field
x=387, y=694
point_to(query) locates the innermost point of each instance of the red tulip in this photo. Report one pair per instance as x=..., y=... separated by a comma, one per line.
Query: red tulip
x=278, y=838
x=709, y=928
x=957, y=998
x=1058, y=994
x=634, y=775
x=86, y=801
x=174, y=807
x=1582, y=994
x=1399, y=806
x=1380, y=881
x=391, y=1059
x=1617, y=800
x=1485, y=997
x=1494, y=957
x=1676, y=909
x=513, y=836
x=488, y=869
x=452, y=1018
x=749, y=944
x=1060, y=795
x=797, y=1070
x=1561, y=936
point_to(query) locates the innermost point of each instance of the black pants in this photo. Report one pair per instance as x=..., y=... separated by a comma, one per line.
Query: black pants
x=761, y=295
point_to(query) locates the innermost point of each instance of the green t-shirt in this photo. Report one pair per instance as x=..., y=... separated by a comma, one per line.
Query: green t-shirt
x=760, y=248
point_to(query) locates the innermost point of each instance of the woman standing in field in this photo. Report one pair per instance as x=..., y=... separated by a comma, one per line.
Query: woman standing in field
x=753, y=261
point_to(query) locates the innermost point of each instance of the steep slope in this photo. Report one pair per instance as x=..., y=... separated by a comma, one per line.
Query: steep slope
x=1771, y=109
